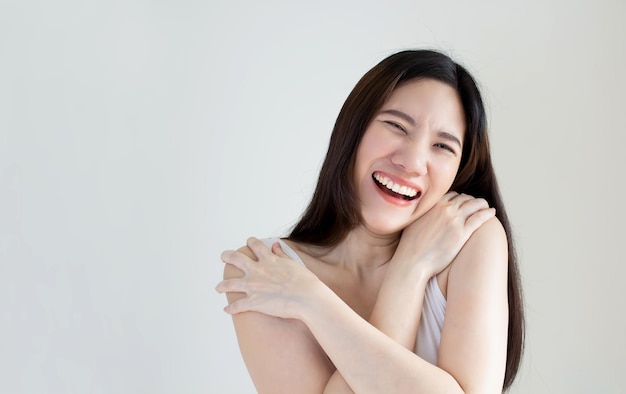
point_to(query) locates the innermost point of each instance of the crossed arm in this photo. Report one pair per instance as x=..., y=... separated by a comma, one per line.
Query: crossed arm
x=318, y=344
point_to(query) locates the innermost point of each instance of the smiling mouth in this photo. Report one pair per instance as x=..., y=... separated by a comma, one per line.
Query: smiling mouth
x=395, y=190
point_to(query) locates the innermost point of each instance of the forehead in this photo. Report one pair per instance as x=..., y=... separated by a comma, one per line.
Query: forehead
x=429, y=102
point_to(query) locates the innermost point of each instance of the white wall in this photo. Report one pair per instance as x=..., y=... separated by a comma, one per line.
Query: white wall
x=138, y=139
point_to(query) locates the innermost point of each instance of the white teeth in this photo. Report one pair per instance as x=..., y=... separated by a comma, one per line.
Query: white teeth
x=396, y=188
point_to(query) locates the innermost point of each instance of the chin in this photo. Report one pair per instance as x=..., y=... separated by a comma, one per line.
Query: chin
x=384, y=227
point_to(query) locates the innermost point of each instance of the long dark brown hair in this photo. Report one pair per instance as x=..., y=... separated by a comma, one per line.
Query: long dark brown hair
x=334, y=208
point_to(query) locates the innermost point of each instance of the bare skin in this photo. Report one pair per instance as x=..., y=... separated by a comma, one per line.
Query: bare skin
x=309, y=332
x=346, y=321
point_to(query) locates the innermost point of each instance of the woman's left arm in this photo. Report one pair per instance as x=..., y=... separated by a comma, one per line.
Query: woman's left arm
x=474, y=336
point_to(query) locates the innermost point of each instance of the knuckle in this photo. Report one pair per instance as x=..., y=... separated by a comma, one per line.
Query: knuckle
x=450, y=210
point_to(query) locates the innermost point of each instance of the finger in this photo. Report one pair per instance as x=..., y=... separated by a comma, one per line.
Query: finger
x=277, y=249
x=236, y=259
x=460, y=199
x=477, y=219
x=472, y=205
x=231, y=286
x=449, y=195
x=258, y=247
x=241, y=305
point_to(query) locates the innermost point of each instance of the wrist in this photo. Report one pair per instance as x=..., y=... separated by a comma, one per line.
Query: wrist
x=321, y=303
x=413, y=271
x=317, y=299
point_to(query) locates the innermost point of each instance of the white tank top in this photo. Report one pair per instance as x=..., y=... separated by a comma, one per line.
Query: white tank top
x=431, y=321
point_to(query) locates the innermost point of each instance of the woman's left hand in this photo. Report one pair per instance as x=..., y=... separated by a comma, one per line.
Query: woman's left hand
x=433, y=240
x=274, y=284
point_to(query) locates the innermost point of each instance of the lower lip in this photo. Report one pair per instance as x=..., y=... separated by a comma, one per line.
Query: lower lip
x=394, y=200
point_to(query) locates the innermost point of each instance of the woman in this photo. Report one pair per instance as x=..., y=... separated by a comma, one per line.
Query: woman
x=406, y=227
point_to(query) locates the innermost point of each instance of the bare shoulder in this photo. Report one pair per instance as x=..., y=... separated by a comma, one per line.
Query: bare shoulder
x=281, y=355
x=486, y=249
x=491, y=231
x=483, y=258
x=486, y=246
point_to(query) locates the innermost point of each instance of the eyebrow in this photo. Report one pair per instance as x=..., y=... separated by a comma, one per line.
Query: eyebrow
x=400, y=114
x=411, y=121
x=450, y=137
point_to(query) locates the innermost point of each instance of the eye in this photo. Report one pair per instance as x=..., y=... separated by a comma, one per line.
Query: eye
x=395, y=125
x=441, y=145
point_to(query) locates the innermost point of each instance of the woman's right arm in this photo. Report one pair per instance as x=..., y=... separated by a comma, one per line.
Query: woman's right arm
x=286, y=358
x=281, y=355
x=357, y=346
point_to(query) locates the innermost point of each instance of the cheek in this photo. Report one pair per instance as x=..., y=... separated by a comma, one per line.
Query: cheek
x=367, y=147
x=376, y=146
x=365, y=154
x=445, y=173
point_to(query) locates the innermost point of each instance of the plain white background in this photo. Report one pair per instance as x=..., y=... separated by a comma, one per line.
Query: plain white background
x=139, y=139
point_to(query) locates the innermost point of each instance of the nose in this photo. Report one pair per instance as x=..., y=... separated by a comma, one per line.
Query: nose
x=412, y=157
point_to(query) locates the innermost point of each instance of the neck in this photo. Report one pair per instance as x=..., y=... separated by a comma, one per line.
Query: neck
x=363, y=251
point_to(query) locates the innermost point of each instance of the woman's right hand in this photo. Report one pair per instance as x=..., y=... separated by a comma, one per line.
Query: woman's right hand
x=274, y=284
x=432, y=241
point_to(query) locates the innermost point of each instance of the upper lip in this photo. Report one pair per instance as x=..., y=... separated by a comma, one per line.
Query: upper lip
x=401, y=181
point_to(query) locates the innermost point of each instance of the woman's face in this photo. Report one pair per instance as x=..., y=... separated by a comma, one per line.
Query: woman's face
x=409, y=155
